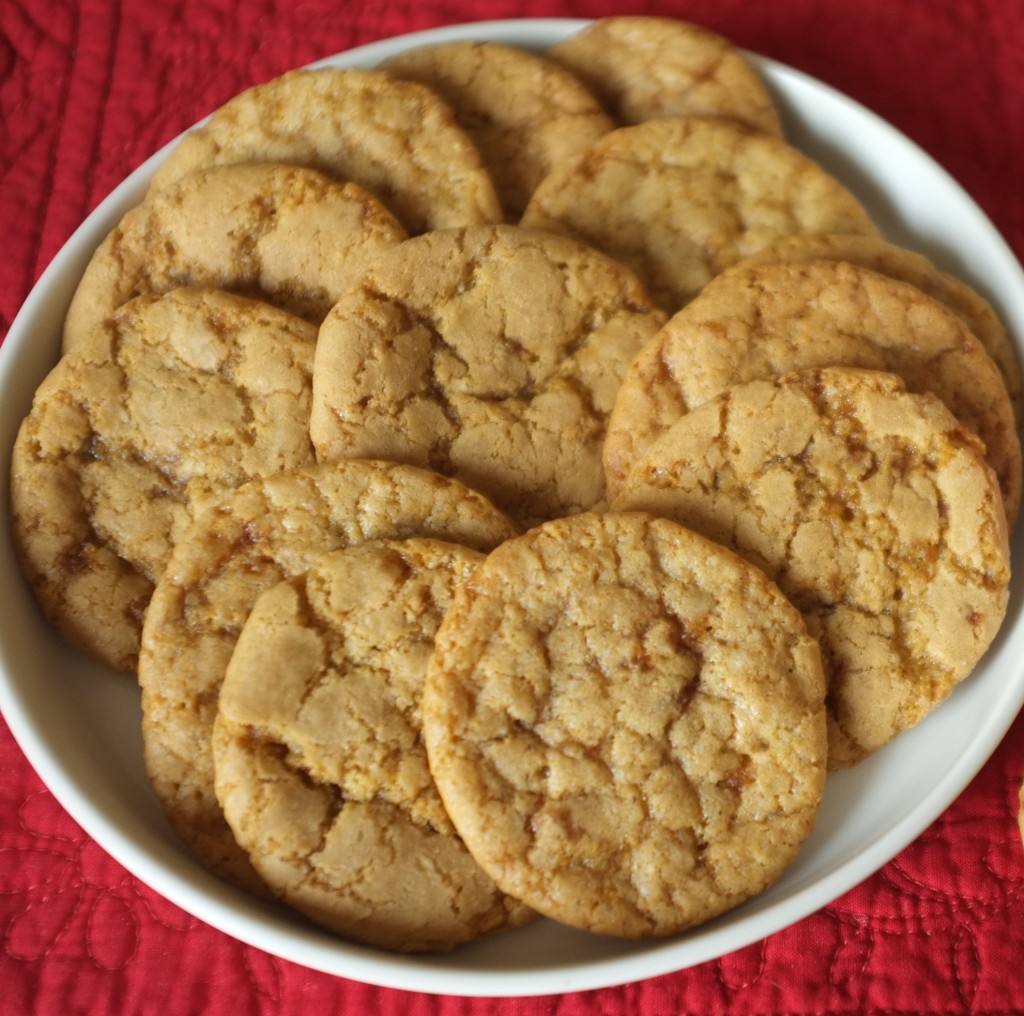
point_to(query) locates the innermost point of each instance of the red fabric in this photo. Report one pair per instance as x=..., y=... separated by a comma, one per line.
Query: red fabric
x=89, y=89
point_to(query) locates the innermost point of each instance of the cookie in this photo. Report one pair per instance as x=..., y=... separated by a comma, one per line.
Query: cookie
x=875, y=512
x=159, y=409
x=909, y=266
x=751, y=322
x=266, y=531
x=282, y=234
x=1020, y=811
x=395, y=138
x=319, y=760
x=491, y=354
x=679, y=199
x=626, y=724
x=523, y=112
x=645, y=67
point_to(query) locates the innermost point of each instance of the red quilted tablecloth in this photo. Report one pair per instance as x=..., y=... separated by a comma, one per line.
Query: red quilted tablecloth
x=89, y=89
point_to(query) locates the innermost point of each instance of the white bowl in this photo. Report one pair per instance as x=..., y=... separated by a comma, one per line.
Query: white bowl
x=79, y=726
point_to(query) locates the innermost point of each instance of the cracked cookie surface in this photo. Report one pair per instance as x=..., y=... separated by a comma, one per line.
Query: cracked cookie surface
x=524, y=113
x=491, y=354
x=319, y=758
x=265, y=532
x=283, y=234
x=168, y=403
x=644, y=67
x=875, y=512
x=679, y=199
x=625, y=723
x=395, y=138
x=753, y=322
x=878, y=255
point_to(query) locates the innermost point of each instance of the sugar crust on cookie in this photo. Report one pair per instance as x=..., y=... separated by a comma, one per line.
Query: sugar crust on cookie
x=642, y=67
x=898, y=262
x=282, y=234
x=626, y=724
x=679, y=199
x=319, y=759
x=525, y=113
x=755, y=321
x=168, y=403
x=492, y=354
x=395, y=138
x=266, y=531
x=875, y=512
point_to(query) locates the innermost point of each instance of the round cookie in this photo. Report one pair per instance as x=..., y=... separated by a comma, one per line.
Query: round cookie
x=909, y=266
x=266, y=531
x=875, y=512
x=679, y=199
x=159, y=409
x=751, y=322
x=524, y=113
x=643, y=67
x=318, y=755
x=491, y=354
x=626, y=724
x=282, y=234
x=395, y=138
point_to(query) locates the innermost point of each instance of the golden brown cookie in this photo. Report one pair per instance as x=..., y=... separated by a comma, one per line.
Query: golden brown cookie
x=1020, y=812
x=626, y=724
x=679, y=199
x=909, y=266
x=395, y=138
x=318, y=755
x=524, y=113
x=283, y=234
x=751, y=322
x=491, y=354
x=875, y=512
x=642, y=67
x=266, y=531
x=169, y=402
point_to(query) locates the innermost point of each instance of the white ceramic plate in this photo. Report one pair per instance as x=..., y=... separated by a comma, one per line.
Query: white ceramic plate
x=79, y=726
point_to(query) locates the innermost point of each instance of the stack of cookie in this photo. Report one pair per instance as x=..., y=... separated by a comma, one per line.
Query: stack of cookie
x=515, y=480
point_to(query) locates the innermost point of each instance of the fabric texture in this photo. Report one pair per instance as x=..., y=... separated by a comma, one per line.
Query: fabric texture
x=88, y=90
